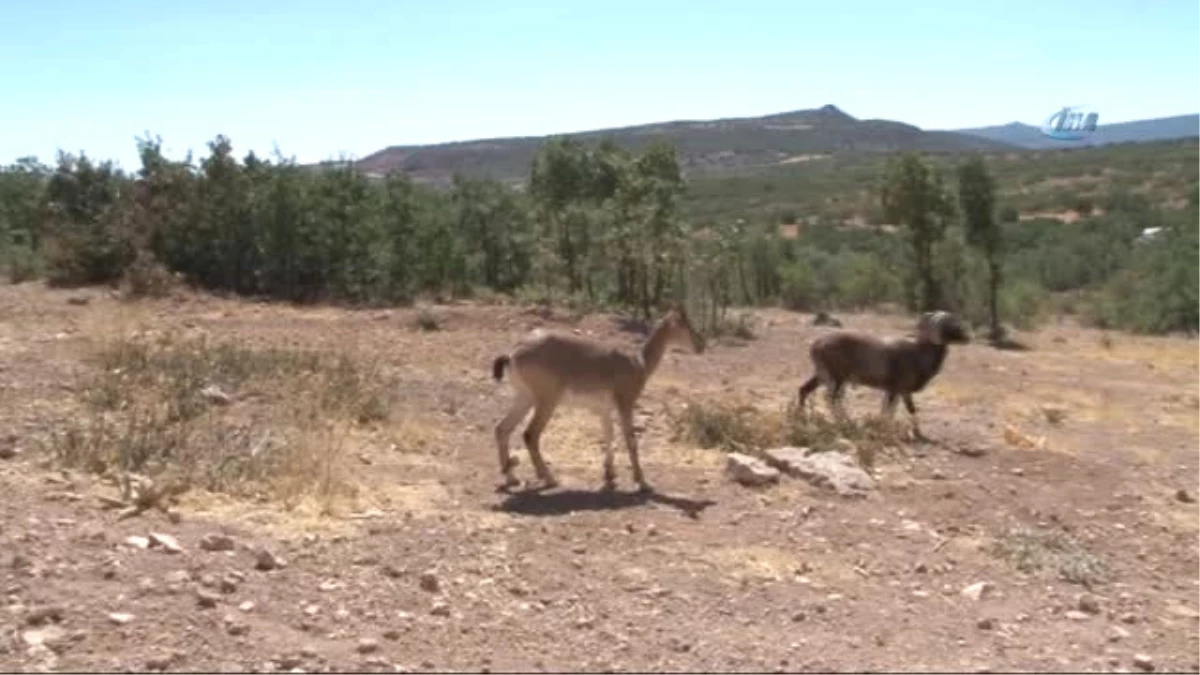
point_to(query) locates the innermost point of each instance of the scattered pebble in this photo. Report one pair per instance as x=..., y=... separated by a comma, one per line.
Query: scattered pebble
x=1087, y=602
x=1184, y=496
x=167, y=542
x=367, y=646
x=43, y=614
x=986, y=623
x=440, y=608
x=1117, y=633
x=207, y=599
x=1143, y=662
x=215, y=542
x=977, y=591
x=1076, y=615
x=266, y=561
x=247, y=606
x=429, y=581
x=120, y=618
x=137, y=542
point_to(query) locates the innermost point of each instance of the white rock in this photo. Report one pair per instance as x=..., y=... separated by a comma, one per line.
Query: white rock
x=120, y=618
x=749, y=470
x=977, y=591
x=170, y=544
x=833, y=470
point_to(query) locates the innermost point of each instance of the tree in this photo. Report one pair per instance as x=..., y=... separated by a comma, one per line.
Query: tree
x=977, y=202
x=914, y=197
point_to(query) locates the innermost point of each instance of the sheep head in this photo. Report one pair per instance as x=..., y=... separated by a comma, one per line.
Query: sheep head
x=941, y=328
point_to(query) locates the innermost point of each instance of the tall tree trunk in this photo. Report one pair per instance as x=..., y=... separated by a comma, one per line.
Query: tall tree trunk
x=993, y=298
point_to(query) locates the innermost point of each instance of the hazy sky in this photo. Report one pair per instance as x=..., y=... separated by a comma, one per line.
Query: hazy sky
x=353, y=76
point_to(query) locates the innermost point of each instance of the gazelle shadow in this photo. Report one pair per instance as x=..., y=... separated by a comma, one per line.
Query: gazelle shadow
x=535, y=502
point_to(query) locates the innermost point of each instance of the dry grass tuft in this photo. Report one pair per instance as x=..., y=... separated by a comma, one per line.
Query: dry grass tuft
x=225, y=417
x=1033, y=550
x=740, y=426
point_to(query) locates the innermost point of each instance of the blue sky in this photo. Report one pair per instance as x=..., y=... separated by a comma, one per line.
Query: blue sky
x=352, y=76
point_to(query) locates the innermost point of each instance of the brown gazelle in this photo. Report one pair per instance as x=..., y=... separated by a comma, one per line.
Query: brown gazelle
x=548, y=369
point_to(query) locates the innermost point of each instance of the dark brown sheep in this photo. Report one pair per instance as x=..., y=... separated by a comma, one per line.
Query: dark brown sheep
x=900, y=367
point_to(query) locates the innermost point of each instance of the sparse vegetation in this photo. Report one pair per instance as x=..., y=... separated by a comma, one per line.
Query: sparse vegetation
x=1036, y=550
x=173, y=407
x=736, y=426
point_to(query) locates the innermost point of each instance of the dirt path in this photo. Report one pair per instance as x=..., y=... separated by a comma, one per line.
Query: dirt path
x=429, y=569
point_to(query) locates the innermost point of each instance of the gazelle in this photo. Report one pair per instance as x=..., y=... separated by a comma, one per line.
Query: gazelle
x=548, y=369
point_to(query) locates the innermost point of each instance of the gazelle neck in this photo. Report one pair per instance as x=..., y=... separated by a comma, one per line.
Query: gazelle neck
x=654, y=348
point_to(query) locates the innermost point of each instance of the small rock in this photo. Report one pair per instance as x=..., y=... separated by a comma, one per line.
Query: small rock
x=178, y=577
x=986, y=623
x=207, y=599
x=43, y=614
x=78, y=300
x=8, y=450
x=1018, y=471
x=1116, y=634
x=391, y=634
x=137, y=542
x=235, y=626
x=167, y=542
x=1143, y=662
x=1087, y=602
x=247, y=606
x=49, y=637
x=1076, y=615
x=266, y=561
x=440, y=608
x=160, y=662
x=367, y=646
x=977, y=591
x=391, y=571
x=214, y=395
x=216, y=542
x=1128, y=617
x=330, y=585
x=937, y=474
x=1182, y=611
x=429, y=581
x=120, y=618
x=799, y=617
x=1184, y=496
x=750, y=471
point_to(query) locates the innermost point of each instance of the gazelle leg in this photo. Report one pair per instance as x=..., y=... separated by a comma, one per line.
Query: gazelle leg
x=606, y=430
x=625, y=413
x=542, y=412
x=504, y=428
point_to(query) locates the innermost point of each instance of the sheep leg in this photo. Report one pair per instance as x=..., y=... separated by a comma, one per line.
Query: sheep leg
x=833, y=394
x=912, y=414
x=888, y=409
x=504, y=428
x=807, y=389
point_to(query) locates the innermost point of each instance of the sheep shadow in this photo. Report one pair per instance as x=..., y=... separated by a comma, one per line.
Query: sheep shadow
x=538, y=502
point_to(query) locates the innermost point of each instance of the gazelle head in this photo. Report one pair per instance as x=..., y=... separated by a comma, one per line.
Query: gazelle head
x=680, y=331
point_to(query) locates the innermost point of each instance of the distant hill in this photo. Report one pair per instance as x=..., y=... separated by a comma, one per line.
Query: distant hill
x=703, y=146
x=1140, y=131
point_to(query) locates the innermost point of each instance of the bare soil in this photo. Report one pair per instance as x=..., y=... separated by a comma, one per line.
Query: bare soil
x=428, y=568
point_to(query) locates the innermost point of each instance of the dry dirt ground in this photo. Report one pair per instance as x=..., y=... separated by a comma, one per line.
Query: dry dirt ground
x=428, y=568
